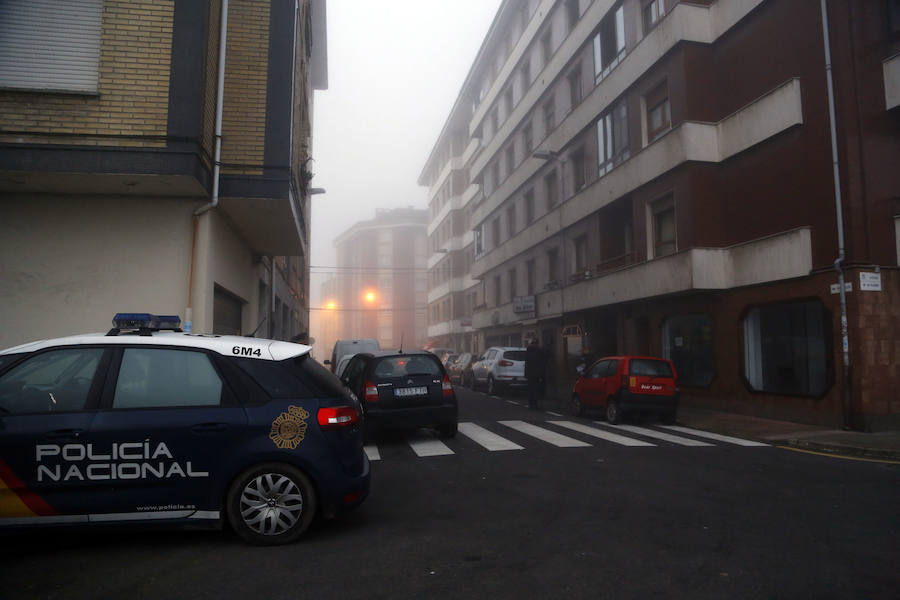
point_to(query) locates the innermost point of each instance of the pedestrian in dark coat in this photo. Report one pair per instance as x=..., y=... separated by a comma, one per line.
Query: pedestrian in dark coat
x=535, y=365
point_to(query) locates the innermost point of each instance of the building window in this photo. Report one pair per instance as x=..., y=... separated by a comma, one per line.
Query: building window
x=510, y=160
x=528, y=139
x=529, y=206
x=609, y=43
x=579, y=175
x=511, y=220
x=508, y=100
x=551, y=189
x=575, y=88
x=513, y=292
x=495, y=121
x=572, y=13
x=663, y=212
x=479, y=239
x=547, y=46
x=652, y=11
x=612, y=138
x=688, y=342
x=553, y=265
x=529, y=278
x=50, y=46
x=525, y=74
x=549, y=116
x=495, y=226
x=659, y=118
x=786, y=348
x=581, y=254
x=496, y=290
x=495, y=174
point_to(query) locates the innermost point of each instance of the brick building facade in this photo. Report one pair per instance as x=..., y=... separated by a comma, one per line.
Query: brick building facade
x=654, y=176
x=110, y=199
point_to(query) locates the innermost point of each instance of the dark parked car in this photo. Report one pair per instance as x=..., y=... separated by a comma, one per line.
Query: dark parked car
x=148, y=425
x=628, y=384
x=460, y=370
x=403, y=389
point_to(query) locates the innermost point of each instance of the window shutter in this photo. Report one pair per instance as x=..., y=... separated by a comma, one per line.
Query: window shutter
x=50, y=45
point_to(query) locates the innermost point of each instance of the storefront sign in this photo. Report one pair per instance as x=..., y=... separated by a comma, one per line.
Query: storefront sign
x=523, y=304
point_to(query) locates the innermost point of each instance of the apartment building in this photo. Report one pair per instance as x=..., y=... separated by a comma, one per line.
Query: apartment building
x=114, y=193
x=656, y=177
x=379, y=288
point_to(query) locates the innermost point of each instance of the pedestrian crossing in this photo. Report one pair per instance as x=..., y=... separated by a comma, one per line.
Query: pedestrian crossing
x=561, y=434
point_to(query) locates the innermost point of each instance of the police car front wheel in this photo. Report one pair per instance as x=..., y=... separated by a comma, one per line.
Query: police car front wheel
x=271, y=504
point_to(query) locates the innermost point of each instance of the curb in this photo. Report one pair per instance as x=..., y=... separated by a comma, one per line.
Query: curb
x=844, y=450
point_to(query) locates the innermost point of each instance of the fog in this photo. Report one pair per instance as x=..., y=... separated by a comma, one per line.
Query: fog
x=394, y=71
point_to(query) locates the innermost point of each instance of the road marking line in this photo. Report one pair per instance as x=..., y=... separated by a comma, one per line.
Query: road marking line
x=553, y=413
x=861, y=458
x=658, y=435
x=426, y=447
x=606, y=435
x=486, y=438
x=372, y=452
x=544, y=435
x=714, y=436
x=511, y=402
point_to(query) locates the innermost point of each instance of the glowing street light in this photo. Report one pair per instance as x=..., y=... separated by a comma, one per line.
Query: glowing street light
x=369, y=296
x=331, y=305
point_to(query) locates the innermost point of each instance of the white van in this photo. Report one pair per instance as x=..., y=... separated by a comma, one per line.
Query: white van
x=344, y=348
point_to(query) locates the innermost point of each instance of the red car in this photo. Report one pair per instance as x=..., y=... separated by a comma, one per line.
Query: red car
x=628, y=384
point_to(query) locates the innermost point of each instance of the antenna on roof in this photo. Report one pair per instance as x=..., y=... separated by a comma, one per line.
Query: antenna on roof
x=401, y=341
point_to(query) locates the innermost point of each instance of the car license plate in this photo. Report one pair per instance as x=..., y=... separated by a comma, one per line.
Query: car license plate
x=410, y=391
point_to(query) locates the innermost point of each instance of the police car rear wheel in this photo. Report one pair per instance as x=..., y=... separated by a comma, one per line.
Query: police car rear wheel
x=271, y=504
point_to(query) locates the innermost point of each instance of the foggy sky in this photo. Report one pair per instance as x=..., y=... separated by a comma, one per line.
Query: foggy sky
x=395, y=69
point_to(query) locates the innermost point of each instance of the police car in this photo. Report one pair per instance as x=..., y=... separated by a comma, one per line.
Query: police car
x=149, y=424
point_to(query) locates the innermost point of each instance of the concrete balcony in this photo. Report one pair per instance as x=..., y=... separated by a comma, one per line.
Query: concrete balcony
x=777, y=257
x=774, y=112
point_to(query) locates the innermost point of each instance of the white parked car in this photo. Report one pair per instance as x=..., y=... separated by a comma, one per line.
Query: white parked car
x=500, y=368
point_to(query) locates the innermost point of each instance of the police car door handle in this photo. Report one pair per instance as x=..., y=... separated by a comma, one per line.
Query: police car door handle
x=64, y=433
x=209, y=427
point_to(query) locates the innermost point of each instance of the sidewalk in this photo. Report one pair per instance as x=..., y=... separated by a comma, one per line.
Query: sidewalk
x=881, y=445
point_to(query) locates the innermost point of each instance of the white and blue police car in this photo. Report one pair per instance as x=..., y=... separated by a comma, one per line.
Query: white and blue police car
x=149, y=424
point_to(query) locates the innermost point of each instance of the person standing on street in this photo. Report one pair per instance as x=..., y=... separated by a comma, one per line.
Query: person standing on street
x=534, y=372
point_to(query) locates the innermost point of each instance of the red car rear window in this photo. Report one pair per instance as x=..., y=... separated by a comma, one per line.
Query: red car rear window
x=650, y=368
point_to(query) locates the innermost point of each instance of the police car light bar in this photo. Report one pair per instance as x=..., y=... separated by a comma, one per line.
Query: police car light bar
x=144, y=323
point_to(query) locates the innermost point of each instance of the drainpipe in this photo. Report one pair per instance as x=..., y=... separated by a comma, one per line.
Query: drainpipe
x=220, y=94
x=838, y=263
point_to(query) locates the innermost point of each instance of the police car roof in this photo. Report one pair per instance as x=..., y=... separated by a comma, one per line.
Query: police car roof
x=227, y=345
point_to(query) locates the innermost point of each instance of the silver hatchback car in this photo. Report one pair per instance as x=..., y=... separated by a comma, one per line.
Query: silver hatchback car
x=500, y=368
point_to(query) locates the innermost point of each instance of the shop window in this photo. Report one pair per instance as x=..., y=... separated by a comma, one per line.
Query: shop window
x=688, y=342
x=786, y=348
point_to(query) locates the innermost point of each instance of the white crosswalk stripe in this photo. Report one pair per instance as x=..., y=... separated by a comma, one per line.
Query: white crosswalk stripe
x=602, y=434
x=652, y=433
x=372, y=452
x=429, y=447
x=551, y=437
x=713, y=436
x=487, y=439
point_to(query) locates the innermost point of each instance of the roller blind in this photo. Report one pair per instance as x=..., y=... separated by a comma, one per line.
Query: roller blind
x=50, y=45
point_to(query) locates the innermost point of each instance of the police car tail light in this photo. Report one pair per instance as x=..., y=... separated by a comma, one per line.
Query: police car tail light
x=505, y=363
x=371, y=392
x=446, y=386
x=336, y=417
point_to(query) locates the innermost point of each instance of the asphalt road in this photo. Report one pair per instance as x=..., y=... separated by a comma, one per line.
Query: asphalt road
x=595, y=520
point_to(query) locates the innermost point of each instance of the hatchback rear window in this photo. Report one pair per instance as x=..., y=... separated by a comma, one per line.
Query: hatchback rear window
x=650, y=368
x=402, y=366
x=299, y=377
x=514, y=355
